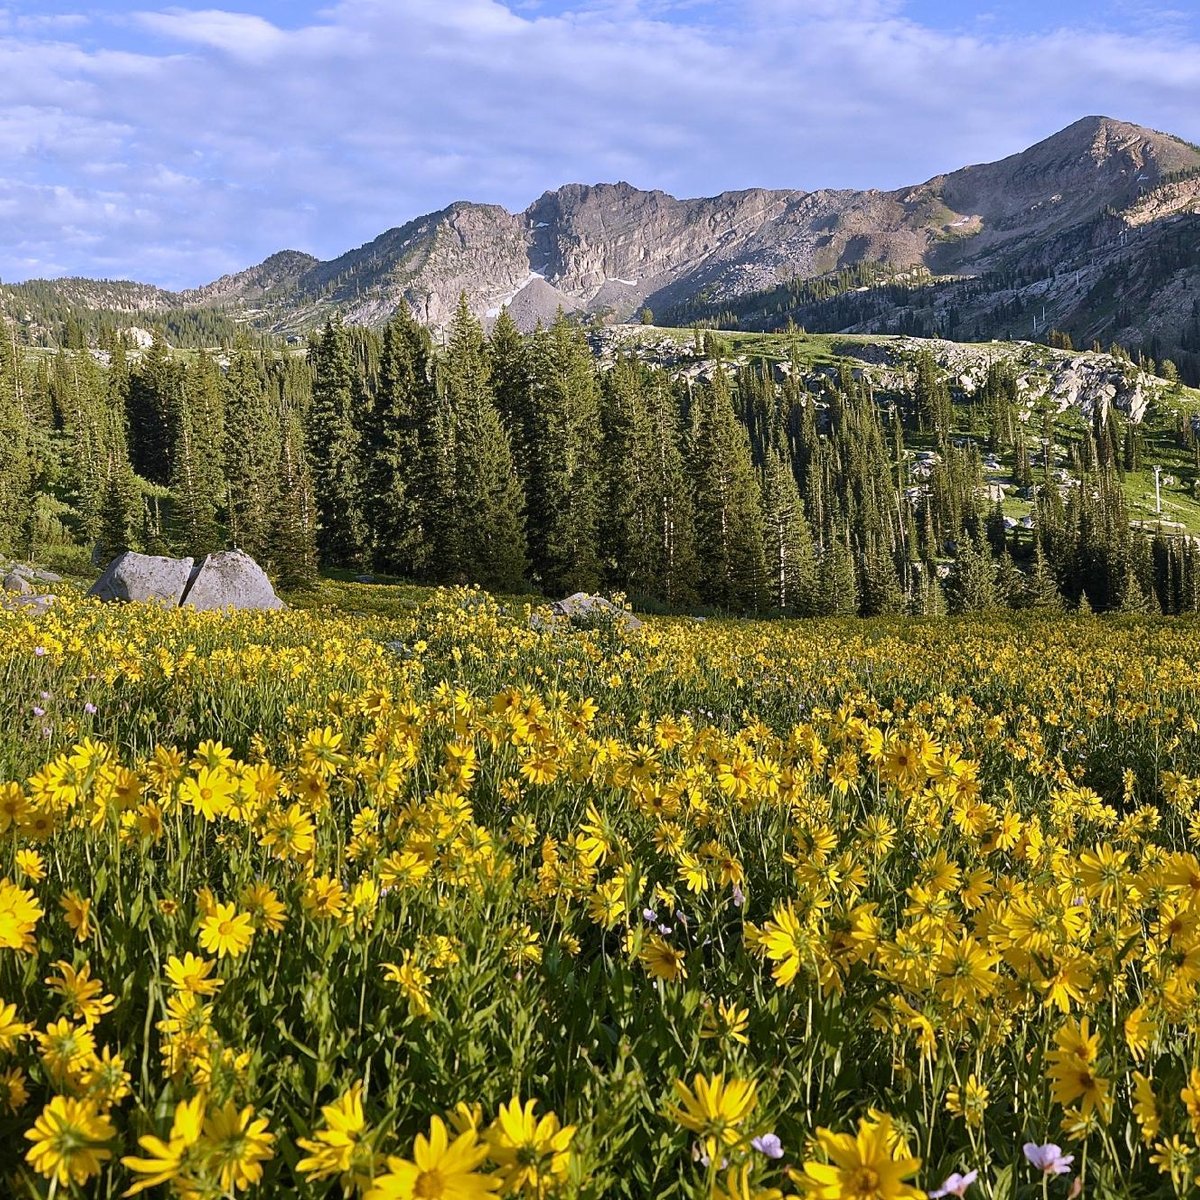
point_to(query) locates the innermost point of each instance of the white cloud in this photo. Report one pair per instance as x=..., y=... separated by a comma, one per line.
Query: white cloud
x=231, y=137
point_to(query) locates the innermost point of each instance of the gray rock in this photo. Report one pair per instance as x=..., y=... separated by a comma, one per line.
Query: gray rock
x=36, y=574
x=230, y=579
x=30, y=606
x=584, y=610
x=144, y=577
x=14, y=582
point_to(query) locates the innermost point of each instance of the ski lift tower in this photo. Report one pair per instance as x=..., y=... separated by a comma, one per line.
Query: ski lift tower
x=1157, y=491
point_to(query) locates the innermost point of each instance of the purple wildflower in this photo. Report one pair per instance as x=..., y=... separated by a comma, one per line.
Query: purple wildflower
x=1049, y=1159
x=90, y=709
x=955, y=1185
x=768, y=1144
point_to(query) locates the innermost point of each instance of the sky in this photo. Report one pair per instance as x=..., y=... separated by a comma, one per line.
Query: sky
x=174, y=144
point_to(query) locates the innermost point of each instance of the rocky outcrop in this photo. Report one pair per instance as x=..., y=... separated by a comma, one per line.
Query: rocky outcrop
x=230, y=579
x=1084, y=381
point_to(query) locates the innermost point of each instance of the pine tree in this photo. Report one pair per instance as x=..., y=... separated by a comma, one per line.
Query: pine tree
x=294, y=519
x=251, y=453
x=879, y=585
x=791, y=558
x=973, y=581
x=197, y=481
x=333, y=450
x=838, y=588
x=154, y=396
x=488, y=501
x=16, y=458
x=512, y=386
x=627, y=532
x=395, y=505
x=728, y=503
x=121, y=513
x=1041, y=591
x=562, y=484
x=674, y=568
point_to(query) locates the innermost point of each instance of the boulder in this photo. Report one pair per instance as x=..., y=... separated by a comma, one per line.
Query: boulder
x=14, y=582
x=144, y=577
x=230, y=579
x=29, y=606
x=38, y=574
x=584, y=610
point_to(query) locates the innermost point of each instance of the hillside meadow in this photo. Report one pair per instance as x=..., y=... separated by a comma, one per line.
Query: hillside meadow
x=402, y=897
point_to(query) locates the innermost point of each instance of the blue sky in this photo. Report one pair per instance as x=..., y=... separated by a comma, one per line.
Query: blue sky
x=175, y=142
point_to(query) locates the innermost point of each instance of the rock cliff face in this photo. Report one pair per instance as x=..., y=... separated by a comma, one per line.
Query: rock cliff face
x=613, y=248
x=1072, y=199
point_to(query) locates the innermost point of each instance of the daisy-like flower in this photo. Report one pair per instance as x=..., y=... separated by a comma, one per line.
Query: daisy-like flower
x=714, y=1109
x=237, y=1145
x=440, y=1169
x=226, y=931
x=69, y=1141
x=872, y=1164
x=191, y=973
x=533, y=1153
x=341, y=1148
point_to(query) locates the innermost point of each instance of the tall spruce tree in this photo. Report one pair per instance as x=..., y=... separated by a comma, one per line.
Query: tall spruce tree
x=490, y=542
x=791, y=558
x=728, y=503
x=512, y=386
x=334, y=451
x=395, y=504
x=673, y=569
x=293, y=541
x=628, y=539
x=16, y=456
x=197, y=448
x=562, y=484
x=251, y=452
x=153, y=398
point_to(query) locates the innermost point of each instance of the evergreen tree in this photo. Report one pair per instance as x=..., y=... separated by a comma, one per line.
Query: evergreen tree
x=627, y=535
x=396, y=506
x=490, y=543
x=153, y=399
x=333, y=450
x=121, y=514
x=728, y=503
x=673, y=568
x=973, y=581
x=197, y=481
x=294, y=519
x=838, y=586
x=791, y=558
x=512, y=387
x=16, y=460
x=562, y=484
x=251, y=453
x=1041, y=591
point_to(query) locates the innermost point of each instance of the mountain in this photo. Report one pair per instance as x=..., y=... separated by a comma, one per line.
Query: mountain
x=1098, y=223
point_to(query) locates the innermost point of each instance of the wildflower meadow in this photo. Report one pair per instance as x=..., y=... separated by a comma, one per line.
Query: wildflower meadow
x=427, y=900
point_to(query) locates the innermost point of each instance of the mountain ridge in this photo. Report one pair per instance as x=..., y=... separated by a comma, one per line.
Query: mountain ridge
x=611, y=249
